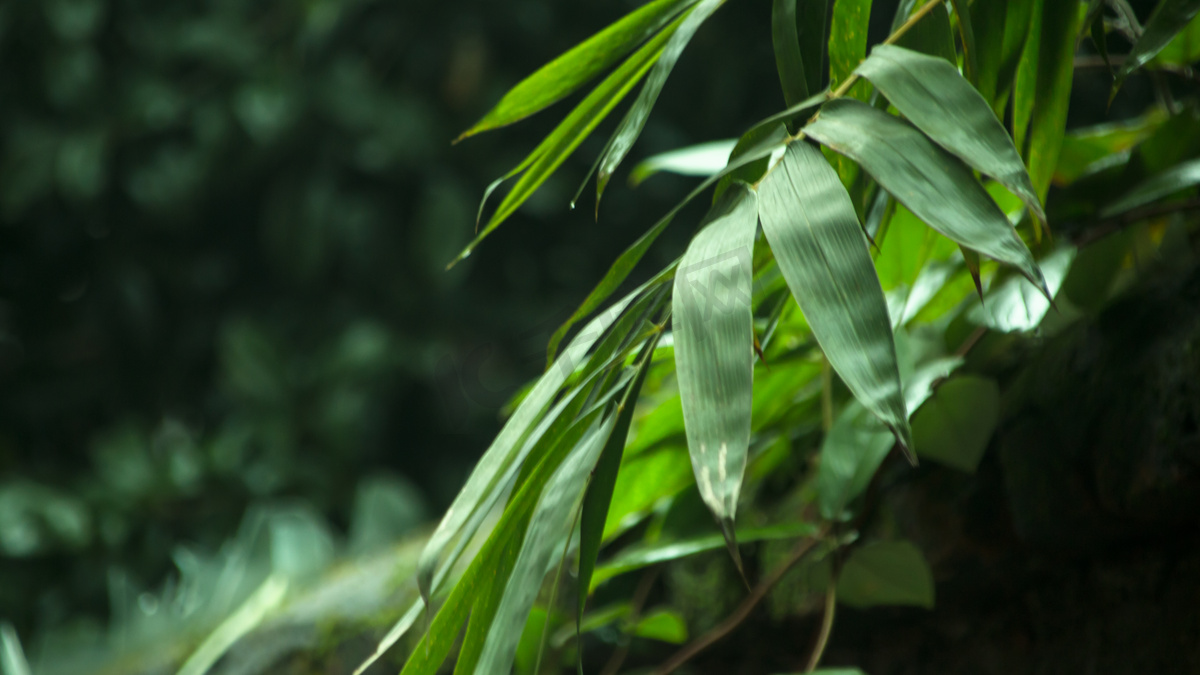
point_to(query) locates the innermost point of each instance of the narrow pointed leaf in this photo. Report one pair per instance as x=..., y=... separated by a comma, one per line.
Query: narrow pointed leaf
x=484, y=485
x=932, y=35
x=599, y=493
x=811, y=226
x=624, y=264
x=1056, y=67
x=933, y=184
x=848, y=42
x=631, y=126
x=966, y=32
x=851, y=452
x=935, y=98
x=550, y=522
x=971, y=258
x=704, y=159
x=1025, y=77
x=573, y=130
x=562, y=76
x=785, y=37
x=1168, y=19
x=1180, y=177
x=713, y=333
x=813, y=24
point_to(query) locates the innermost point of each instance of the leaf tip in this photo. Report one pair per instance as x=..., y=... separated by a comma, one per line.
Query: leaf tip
x=731, y=545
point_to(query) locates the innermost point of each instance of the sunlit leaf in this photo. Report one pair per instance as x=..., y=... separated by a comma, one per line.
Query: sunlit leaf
x=1055, y=68
x=1014, y=306
x=1184, y=48
x=713, y=330
x=954, y=426
x=1169, y=18
x=886, y=573
x=811, y=226
x=789, y=62
x=246, y=618
x=631, y=126
x=933, y=184
x=572, y=131
x=935, y=98
x=1025, y=77
x=663, y=625
x=704, y=159
x=568, y=72
x=848, y=42
x=1179, y=178
x=12, y=657
x=645, y=480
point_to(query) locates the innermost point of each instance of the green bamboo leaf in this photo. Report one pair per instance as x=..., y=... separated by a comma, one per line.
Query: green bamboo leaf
x=966, y=32
x=562, y=76
x=1098, y=33
x=933, y=184
x=851, y=452
x=956, y=423
x=598, y=498
x=704, y=159
x=713, y=331
x=810, y=223
x=1170, y=17
x=507, y=451
x=663, y=625
x=573, y=130
x=1025, y=77
x=624, y=264
x=1184, y=48
x=1011, y=306
x=934, y=97
x=642, y=556
x=1001, y=29
x=932, y=35
x=631, y=126
x=813, y=24
x=1178, y=178
x=785, y=36
x=886, y=573
x=12, y=657
x=646, y=480
x=848, y=42
x=550, y=522
x=751, y=173
x=1056, y=66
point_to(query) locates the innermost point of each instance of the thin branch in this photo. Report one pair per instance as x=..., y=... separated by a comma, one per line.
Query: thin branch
x=892, y=39
x=743, y=610
x=826, y=627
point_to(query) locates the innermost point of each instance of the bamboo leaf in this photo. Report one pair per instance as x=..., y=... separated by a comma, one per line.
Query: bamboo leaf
x=598, y=498
x=1169, y=18
x=713, y=332
x=1056, y=66
x=550, y=523
x=813, y=24
x=932, y=35
x=966, y=32
x=562, y=76
x=851, y=452
x=1025, y=77
x=624, y=264
x=955, y=425
x=704, y=159
x=1178, y=178
x=886, y=573
x=663, y=625
x=631, y=126
x=572, y=131
x=785, y=37
x=935, y=98
x=933, y=184
x=1001, y=29
x=848, y=42
x=810, y=223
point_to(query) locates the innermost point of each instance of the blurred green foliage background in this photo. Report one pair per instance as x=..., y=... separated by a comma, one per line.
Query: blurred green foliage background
x=223, y=232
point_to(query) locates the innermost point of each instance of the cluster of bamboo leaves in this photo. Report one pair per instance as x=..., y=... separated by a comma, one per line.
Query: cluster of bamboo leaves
x=909, y=132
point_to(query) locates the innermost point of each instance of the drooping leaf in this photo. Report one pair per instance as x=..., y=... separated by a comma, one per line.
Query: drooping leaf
x=810, y=223
x=551, y=521
x=935, y=98
x=572, y=131
x=933, y=184
x=1178, y=178
x=1092, y=149
x=499, y=462
x=1169, y=18
x=954, y=426
x=789, y=62
x=704, y=159
x=598, y=496
x=1012, y=306
x=639, y=557
x=851, y=451
x=631, y=126
x=562, y=76
x=1056, y=66
x=712, y=325
x=886, y=573
x=624, y=264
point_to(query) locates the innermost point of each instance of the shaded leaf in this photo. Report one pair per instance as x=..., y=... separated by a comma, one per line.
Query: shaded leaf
x=966, y=32
x=1025, y=78
x=631, y=126
x=1169, y=18
x=663, y=625
x=851, y=451
x=1184, y=48
x=789, y=62
x=572, y=131
x=1165, y=184
x=886, y=573
x=704, y=159
x=931, y=35
x=954, y=426
x=1092, y=149
x=557, y=79
x=813, y=23
x=1001, y=29
x=935, y=98
x=848, y=42
x=933, y=184
x=1055, y=68
x=810, y=223
x=713, y=332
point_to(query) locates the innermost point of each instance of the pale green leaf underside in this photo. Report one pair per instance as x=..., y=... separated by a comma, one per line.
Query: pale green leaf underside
x=936, y=186
x=810, y=223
